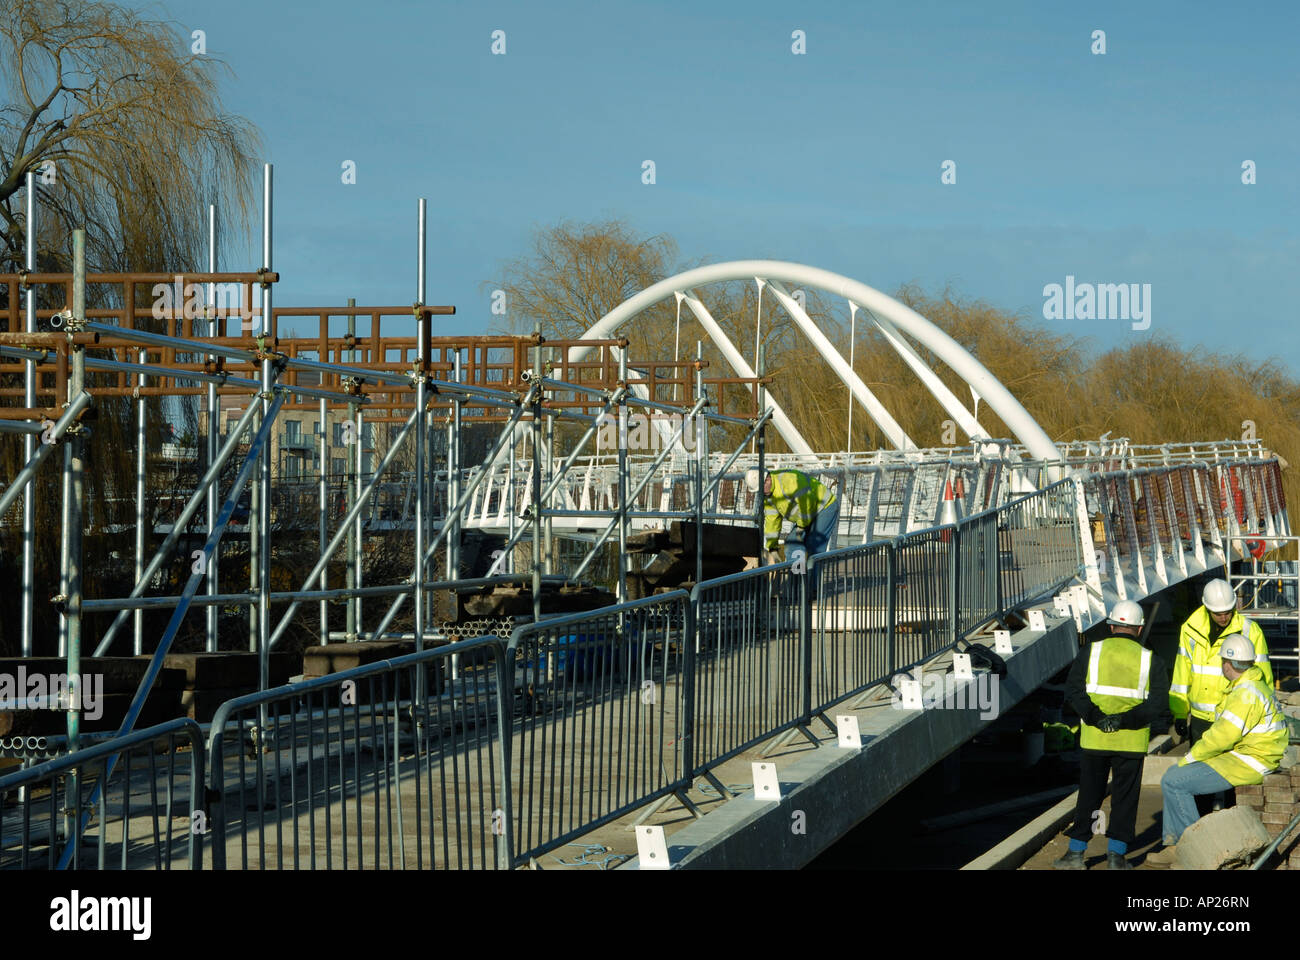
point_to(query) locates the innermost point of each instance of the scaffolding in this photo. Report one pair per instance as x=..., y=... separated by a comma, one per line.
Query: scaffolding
x=169, y=336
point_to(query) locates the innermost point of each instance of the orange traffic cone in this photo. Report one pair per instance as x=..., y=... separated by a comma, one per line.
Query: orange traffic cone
x=948, y=513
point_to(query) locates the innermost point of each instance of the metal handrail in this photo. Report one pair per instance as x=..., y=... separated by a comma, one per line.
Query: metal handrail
x=110, y=750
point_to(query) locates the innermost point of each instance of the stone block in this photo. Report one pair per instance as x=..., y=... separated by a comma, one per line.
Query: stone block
x=231, y=669
x=1153, y=768
x=336, y=657
x=201, y=705
x=1223, y=840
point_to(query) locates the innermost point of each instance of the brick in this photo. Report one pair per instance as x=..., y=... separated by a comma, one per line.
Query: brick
x=1254, y=790
x=1277, y=780
x=1279, y=796
x=1273, y=807
x=1280, y=817
x=1274, y=828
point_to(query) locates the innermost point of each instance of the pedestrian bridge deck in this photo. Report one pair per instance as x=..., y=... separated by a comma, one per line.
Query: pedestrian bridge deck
x=580, y=723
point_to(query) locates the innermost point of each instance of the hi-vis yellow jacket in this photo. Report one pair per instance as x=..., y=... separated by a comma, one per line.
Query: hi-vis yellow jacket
x=1118, y=679
x=1249, y=733
x=1198, y=682
x=795, y=497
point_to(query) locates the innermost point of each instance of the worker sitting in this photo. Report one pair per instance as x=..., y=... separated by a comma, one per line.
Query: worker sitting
x=802, y=500
x=1243, y=745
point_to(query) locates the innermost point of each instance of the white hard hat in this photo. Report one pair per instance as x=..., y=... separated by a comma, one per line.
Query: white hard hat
x=1218, y=597
x=1127, y=613
x=1236, y=647
x=751, y=480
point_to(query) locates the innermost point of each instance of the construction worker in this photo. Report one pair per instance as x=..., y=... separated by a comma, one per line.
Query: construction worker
x=804, y=501
x=1118, y=688
x=1198, y=683
x=1243, y=744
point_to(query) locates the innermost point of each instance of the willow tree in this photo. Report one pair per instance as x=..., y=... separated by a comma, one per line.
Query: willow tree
x=120, y=119
x=122, y=123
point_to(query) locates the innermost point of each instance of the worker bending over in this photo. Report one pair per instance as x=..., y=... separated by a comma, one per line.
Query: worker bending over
x=804, y=501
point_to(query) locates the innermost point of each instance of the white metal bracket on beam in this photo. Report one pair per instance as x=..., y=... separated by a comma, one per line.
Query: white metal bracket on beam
x=766, y=785
x=1002, y=643
x=961, y=667
x=652, y=849
x=847, y=727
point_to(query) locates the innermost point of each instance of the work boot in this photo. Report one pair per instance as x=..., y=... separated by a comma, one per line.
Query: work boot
x=1166, y=856
x=1073, y=860
x=1117, y=861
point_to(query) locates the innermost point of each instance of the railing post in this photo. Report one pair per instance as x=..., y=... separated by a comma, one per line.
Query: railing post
x=198, y=787
x=505, y=736
x=805, y=632
x=954, y=585
x=691, y=642
x=891, y=606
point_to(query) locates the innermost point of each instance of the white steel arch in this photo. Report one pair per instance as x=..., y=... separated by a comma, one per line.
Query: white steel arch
x=897, y=317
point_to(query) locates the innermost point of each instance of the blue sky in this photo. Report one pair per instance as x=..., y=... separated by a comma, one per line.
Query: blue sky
x=1117, y=168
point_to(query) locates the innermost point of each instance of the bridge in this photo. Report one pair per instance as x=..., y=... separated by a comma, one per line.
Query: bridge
x=587, y=703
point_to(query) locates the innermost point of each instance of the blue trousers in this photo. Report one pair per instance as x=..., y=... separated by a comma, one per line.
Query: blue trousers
x=1179, y=787
x=820, y=535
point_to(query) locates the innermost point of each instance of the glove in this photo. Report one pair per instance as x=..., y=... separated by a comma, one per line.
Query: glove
x=1180, y=728
x=1109, y=723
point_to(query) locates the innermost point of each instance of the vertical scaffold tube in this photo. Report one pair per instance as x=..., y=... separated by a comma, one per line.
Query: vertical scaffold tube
x=213, y=432
x=29, y=441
